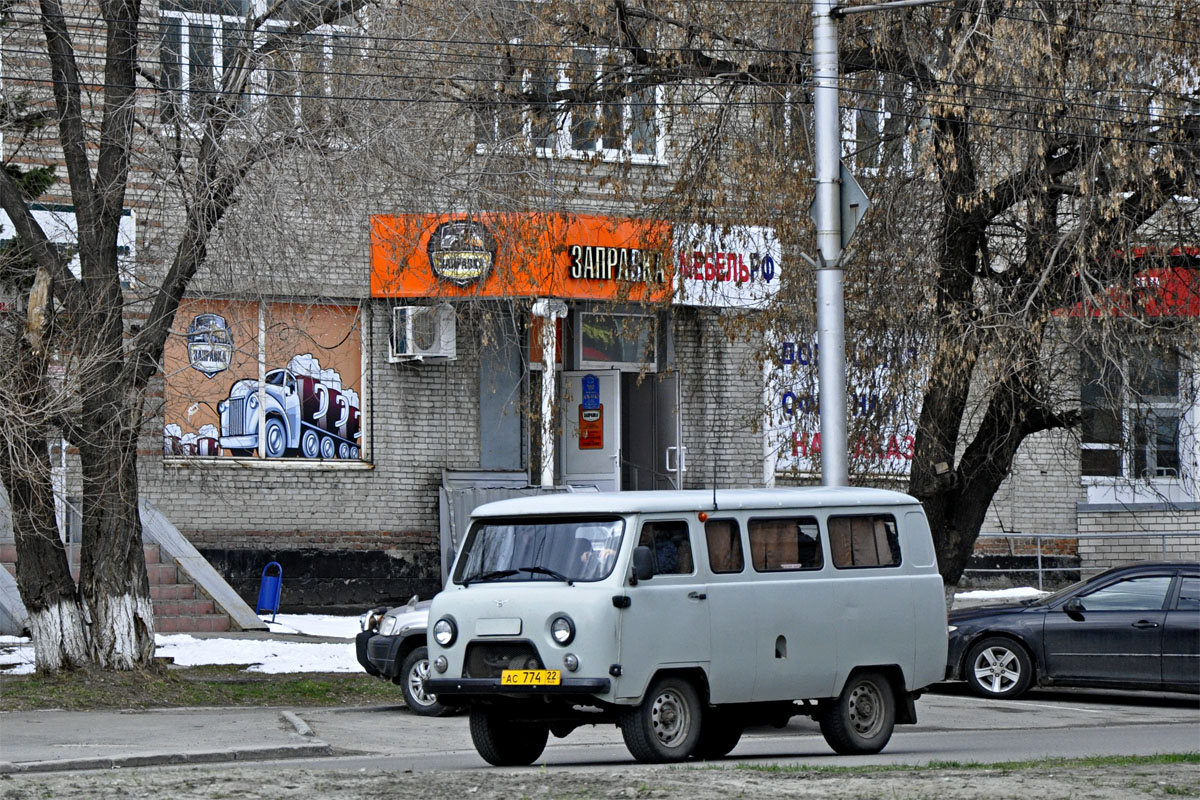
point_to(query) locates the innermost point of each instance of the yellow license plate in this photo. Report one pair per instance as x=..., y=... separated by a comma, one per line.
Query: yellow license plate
x=530, y=677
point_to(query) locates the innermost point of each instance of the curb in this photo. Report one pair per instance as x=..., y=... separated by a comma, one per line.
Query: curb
x=312, y=747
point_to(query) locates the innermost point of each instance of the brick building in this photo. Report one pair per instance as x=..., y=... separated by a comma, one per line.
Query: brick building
x=364, y=353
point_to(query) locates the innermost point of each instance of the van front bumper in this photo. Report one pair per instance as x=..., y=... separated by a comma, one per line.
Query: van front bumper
x=451, y=687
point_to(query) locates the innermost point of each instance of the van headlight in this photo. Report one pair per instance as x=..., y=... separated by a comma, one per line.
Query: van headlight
x=445, y=631
x=562, y=629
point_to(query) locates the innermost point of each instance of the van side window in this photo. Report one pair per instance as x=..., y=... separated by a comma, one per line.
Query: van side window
x=724, y=545
x=668, y=540
x=867, y=541
x=785, y=543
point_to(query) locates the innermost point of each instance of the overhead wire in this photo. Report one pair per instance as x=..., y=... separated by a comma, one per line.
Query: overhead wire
x=994, y=94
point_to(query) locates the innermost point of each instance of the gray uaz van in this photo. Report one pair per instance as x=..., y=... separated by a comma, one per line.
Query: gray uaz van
x=685, y=616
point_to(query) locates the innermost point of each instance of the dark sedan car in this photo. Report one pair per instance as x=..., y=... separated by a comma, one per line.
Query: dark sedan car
x=1132, y=627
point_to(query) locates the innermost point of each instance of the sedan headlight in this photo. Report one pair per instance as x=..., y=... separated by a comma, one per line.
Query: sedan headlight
x=562, y=629
x=951, y=628
x=253, y=401
x=445, y=631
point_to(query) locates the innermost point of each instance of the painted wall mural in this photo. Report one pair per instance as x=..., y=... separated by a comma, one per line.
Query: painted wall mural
x=308, y=407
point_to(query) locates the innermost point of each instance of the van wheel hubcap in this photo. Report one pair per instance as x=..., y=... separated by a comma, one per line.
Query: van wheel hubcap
x=866, y=709
x=670, y=719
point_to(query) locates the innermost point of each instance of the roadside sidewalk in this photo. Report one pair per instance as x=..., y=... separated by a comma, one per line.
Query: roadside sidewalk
x=52, y=740
x=47, y=741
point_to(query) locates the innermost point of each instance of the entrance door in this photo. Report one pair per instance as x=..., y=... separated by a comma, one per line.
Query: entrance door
x=650, y=452
x=591, y=429
x=668, y=437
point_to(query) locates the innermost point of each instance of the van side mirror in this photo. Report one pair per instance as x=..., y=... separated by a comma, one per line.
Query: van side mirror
x=643, y=563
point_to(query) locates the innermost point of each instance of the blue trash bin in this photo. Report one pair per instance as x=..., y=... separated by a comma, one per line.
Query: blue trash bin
x=269, y=590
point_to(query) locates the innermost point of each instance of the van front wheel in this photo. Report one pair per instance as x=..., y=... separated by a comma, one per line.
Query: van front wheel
x=666, y=726
x=860, y=720
x=505, y=743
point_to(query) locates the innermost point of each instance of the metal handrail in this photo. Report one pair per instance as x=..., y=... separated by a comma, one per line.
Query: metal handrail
x=1040, y=569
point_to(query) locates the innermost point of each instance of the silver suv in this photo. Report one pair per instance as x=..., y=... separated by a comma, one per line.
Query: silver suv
x=392, y=646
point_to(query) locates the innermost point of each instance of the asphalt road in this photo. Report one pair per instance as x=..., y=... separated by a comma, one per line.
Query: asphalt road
x=953, y=726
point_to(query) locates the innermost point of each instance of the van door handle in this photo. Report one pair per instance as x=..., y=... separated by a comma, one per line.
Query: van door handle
x=1142, y=623
x=697, y=596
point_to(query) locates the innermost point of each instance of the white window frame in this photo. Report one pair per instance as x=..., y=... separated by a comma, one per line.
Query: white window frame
x=852, y=118
x=1124, y=487
x=258, y=88
x=559, y=143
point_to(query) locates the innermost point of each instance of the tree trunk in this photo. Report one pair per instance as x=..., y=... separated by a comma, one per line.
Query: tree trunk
x=113, y=579
x=958, y=509
x=43, y=572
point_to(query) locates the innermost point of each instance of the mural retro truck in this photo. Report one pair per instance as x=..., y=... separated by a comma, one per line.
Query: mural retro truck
x=307, y=413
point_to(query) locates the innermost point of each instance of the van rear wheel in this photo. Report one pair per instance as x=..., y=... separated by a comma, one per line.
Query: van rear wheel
x=666, y=726
x=861, y=719
x=506, y=743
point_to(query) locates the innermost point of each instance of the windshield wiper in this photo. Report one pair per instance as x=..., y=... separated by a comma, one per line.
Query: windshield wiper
x=558, y=576
x=494, y=575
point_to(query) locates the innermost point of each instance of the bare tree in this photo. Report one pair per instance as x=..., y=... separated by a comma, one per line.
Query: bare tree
x=1018, y=154
x=114, y=120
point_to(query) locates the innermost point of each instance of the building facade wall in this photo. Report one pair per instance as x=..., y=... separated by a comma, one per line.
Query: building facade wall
x=361, y=533
x=1111, y=536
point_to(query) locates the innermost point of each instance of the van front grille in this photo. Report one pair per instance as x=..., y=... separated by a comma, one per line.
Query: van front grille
x=488, y=659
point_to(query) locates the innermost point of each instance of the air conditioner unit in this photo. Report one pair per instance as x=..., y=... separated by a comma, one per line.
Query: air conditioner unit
x=422, y=333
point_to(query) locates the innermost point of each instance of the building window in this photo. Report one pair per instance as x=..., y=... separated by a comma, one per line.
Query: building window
x=293, y=87
x=1132, y=413
x=617, y=341
x=874, y=126
x=524, y=110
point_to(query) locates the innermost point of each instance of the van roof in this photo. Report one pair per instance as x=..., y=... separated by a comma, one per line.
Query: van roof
x=690, y=500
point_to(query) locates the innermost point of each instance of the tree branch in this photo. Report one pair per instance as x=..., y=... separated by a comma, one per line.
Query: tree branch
x=44, y=253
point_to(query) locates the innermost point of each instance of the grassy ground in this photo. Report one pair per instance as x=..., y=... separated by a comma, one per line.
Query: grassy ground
x=161, y=687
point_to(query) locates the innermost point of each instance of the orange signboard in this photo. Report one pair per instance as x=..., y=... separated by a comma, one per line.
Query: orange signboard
x=567, y=256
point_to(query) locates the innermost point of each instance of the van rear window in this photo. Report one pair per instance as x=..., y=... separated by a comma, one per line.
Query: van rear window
x=781, y=544
x=866, y=541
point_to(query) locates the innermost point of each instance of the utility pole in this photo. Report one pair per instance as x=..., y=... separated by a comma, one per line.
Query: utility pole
x=831, y=334
x=832, y=197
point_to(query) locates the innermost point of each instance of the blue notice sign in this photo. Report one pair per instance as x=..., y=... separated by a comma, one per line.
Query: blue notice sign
x=591, y=393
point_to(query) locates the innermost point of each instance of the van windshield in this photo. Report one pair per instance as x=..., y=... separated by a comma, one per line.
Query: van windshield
x=561, y=549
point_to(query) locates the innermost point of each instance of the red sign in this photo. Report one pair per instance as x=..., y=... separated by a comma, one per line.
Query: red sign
x=591, y=428
x=1172, y=290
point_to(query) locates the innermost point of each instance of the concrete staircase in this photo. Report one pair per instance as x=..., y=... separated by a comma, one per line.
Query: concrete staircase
x=180, y=606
